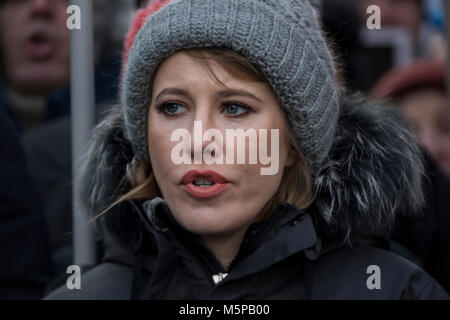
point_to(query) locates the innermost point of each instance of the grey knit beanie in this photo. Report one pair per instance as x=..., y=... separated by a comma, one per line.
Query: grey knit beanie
x=281, y=38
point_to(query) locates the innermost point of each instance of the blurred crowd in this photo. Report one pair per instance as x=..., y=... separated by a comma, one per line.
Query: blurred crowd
x=404, y=62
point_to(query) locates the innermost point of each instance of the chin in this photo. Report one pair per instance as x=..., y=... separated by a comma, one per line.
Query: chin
x=33, y=83
x=203, y=220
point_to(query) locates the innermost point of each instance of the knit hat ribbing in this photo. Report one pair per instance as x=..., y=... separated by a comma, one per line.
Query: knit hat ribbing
x=280, y=37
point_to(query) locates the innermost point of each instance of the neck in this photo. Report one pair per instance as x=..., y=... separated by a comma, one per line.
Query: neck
x=226, y=247
x=30, y=109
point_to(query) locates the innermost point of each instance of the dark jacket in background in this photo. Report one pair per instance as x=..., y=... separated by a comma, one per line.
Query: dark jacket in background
x=25, y=265
x=361, y=66
x=48, y=150
x=324, y=252
x=425, y=237
x=428, y=235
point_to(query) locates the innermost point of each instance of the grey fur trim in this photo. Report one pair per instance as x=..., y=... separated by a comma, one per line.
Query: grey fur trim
x=103, y=171
x=374, y=170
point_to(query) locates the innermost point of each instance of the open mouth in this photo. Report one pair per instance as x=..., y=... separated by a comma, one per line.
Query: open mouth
x=39, y=46
x=203, y=184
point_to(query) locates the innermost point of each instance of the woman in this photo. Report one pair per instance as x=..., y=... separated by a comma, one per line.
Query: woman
x=184, y=218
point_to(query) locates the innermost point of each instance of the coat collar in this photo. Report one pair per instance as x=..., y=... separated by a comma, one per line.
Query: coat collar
x=285, y=233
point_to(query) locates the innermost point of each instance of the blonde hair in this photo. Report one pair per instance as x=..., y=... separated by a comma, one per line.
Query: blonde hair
x=296, y=185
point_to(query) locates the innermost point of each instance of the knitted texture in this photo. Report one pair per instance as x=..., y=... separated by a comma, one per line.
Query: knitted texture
x=279, y=37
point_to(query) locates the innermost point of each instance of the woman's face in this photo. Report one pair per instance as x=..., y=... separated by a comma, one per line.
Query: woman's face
x=228, y=197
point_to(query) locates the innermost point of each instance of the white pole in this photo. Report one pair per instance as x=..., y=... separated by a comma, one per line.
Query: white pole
x=82, y=120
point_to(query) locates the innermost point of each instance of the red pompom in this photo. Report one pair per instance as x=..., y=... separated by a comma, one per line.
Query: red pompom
x=139, y=20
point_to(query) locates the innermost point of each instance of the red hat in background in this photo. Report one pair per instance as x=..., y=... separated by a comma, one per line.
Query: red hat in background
x=420, y=74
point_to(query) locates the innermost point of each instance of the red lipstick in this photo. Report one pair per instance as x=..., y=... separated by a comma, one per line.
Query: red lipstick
x=215, y=183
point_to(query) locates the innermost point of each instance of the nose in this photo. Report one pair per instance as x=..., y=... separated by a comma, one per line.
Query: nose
x=430, y=140
x=203, y=125
x=42, y=7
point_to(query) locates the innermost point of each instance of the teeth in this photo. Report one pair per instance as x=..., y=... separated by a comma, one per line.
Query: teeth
x=203, y=182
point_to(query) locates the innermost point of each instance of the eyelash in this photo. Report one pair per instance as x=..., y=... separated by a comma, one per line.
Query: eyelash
x=247, y=109
x=161, y=108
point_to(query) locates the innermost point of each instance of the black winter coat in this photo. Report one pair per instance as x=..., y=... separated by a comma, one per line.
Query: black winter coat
x=332, y=250
x=281, y=258
x=427, y=235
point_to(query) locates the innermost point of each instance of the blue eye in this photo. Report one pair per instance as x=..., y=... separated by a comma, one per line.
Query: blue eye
x=234, y=109
x=172, y=108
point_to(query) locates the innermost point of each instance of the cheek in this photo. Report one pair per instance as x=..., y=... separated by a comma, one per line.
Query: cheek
x=283, y=147
x=260, y=182
x=445, y=142
x=253, y=192
x=255, y=185
x=277, y=145
x=160, y=149
x=64, y=45
x=9, y=35
x=158, y=140
x=63, y=35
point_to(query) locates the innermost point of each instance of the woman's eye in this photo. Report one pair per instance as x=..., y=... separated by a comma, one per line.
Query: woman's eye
x=172, y=108
x=234, y=109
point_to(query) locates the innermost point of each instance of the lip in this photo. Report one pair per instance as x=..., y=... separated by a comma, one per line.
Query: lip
x=220, y=183
x=39, y=46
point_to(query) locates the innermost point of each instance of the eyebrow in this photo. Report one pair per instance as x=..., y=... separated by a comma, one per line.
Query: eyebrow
x=168, y=91
x=224, y=93
x=233, y=92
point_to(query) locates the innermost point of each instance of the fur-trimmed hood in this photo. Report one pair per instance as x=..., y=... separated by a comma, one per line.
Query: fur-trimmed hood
x=374, y=171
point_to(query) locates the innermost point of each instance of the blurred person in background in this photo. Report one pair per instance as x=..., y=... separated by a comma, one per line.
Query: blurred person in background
x=409, y=30
x=425, y=240
x=35, y=93
x=419, y=92
x=34, y=69
x=25, y=265
x=51, y=163
x=408, y=15
x=35, y=60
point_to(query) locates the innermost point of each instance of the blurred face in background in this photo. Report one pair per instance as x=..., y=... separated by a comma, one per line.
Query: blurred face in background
x=35, y=46
x=427, y=111
x=405, y=14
